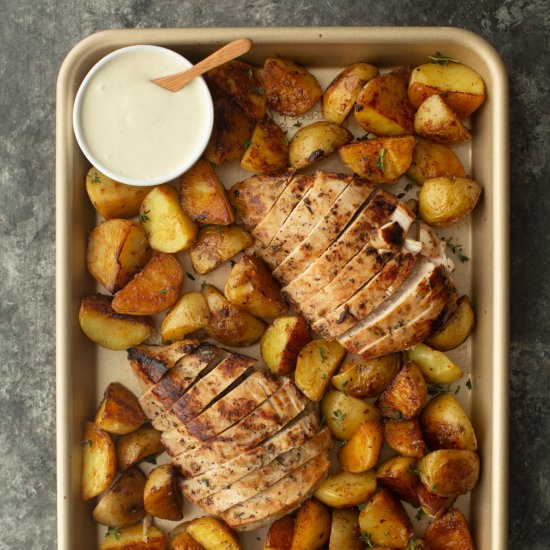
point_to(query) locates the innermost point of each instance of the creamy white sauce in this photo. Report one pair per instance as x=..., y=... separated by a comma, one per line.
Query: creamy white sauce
x=137, y=129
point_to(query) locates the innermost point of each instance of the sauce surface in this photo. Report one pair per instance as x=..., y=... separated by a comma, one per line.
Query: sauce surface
x=136, y=128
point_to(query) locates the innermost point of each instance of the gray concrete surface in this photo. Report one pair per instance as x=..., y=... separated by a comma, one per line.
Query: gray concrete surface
x=34, y=38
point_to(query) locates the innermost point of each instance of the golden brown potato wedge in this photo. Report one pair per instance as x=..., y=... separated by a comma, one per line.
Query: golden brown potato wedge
x=267, y=150
x=362, y=451
x=315, y=366
x=433, y=505
x=383, y=107
x=405, y=437
x=122, y=504
x=180, y=539
x=190, y=313
x=154, y=289
x=243, y=84
x=251, y=287
x=457, y=328
x=398, y=474
x=449, y=531
x=281, y=343
x=461, y=87
x=381, y=160
x=136, y=446
x=344, y=531
x=366, y=377
x=228, y=324
x=161, y=495
x=436, y=367
x=113, y=199
x=315, y=142
x=216, y=244
x=119, y=412
x=109, y=329
x=341, y=93
x=312, y=526
x=345, y=489
x=134, y=538
x=203, y=197
x=385, y=521
x=446, y=426
x=290, y=89
x=344, y=414
x=405, y=396
x=213, y=534
x=98, y=461
x=432, y=160
x=280, y=533
x=435, y=121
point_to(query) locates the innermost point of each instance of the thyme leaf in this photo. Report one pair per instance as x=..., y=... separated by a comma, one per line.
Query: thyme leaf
x=339, y=416
x=380, y=160
x=86, y=442
x=436, y=389
x=440, y=59
x=365, y=537
x=115, y=531
x=298, y=124
x=323, y=354
x=457, y=249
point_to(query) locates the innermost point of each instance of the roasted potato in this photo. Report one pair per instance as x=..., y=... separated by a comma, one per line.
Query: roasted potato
x=251, y=287
x=446, y=426
x=381, y=160
x=112, y=199
x=435, y=121
x=119, y=412
x=460, y=87
x=122, y=504
x=432, y=160
x=433, y=505
x=405, y=396
x=98, y=461
x=315, y=142
x=385, y=521
x=154, y=289
x=316, y=363
x=216, y=244
x=180, y=539
x=341, y=93
x=362, y=451
x=267, y=150
x=228, y=324
x=290, y=89
x=344, y=414
x=457, y=328
x=243, y=84
x=449, y=531
x=404, y=437
x=109, y=329
x=449, y=472
x=344, y=490
x=344, y=531
x=312, y=526
x=134, y=538
x=161, y=495
x=190, y=313
x=213, y=534
x=280, y=533
x=134, y=447
x=360, y=377
x=281, y=343
x=383, y=107
x=443, y=201
x=203, y=197
x=398, y=474
x=117, y=250
x=436, y=367
x=417, y=544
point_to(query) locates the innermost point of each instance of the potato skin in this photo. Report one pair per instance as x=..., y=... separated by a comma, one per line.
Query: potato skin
x=457, y=328
x=344, y=531
x=280, y=533
x=451, y=531
x=436, y=367
x=405, y=437
x=161, y=495
x=432, y=160
x=180, y=539
x=131, y=538
x=119, y=412
x=213, y=534
x=433, y=505
x=190, y=313
x=312, y=526
x=345, y=489
x=134, y=447
x=267, y=150
x=362, y=451
x=398, y=474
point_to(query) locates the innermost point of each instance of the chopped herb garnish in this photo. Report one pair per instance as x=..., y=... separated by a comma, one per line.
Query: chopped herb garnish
x=457, y=389
x=398, y=415
x=189, y=276
x=386, y=533
x=205, y=482
x=380, y=159
x=434, y=486
x=420, y=514
x=409, y=186
x=86, y=442
x=341, y=444
x=436, y=389
x=414, y=470
x=298, y=124
x=339, y=416
x=440, y=59
x=144, y=218
x=257, y=90
x=401, y=195
x=323, y=354
x=361, y=506
x=365, y=537
x=94, y=178
x=345, y=383
x=324, y=377
x=457, y=249
x=469, y=384
x=152, y=459
x=412, y=544
x=114, y=531
x=363, y=137
x=247, y=144
x=163, y=291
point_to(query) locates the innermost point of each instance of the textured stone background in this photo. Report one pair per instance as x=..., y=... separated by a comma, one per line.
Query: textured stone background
x=34, y=38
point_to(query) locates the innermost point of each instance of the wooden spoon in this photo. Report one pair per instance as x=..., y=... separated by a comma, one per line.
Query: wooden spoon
x=176, y=82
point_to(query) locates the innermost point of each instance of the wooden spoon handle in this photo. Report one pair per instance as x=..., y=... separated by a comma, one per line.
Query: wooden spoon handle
x=176, y=82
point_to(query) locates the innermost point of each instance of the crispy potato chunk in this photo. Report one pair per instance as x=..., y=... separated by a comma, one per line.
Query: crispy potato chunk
x=133, y=538
x=436, y=367
x=457, y=328
x=383, y=107
x=281, y=343
x=449, y=531
x=109, y=329
x=280, y=533
x=134, y=447
x=120, y=411
x=316, y=363
x=228, y=324
x=362, y=451
x=344, y=531
x=345, y=489
x=432, y=160
x=203, y=197
x=341, y=93
x=398, y=474
x=180, y=539
x=405, y=437
x=190, y=313
x=154, y=289
x=122, y=504
x=213, y=534
x=161, y=495
x=112, y=199
x=433, y=505
x=381, y=160
x=312, y=526
x=290, y=89
x=267, y=150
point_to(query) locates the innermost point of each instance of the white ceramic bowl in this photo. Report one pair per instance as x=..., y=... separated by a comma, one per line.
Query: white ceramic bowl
x=201, y=133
